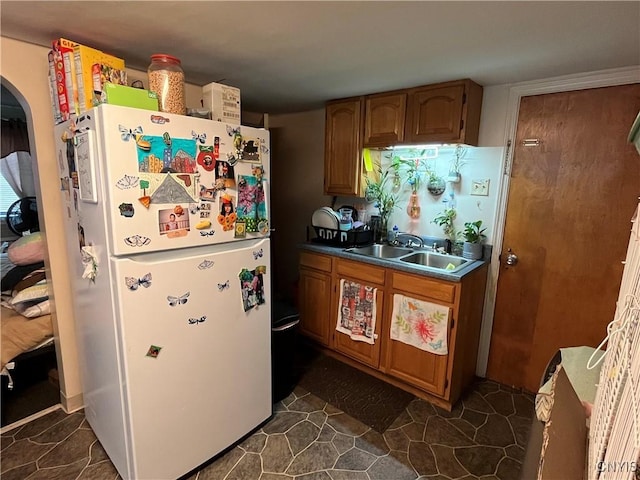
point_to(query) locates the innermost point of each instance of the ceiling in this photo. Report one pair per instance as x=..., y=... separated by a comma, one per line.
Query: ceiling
x=293, y=56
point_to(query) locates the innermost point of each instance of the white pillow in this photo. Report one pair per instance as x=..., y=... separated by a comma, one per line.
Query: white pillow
x=32, y=311
x=35, y=293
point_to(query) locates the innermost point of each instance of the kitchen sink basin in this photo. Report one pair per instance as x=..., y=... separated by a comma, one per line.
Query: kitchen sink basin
x=381, y=251
x=419, y=258
x=449, y=263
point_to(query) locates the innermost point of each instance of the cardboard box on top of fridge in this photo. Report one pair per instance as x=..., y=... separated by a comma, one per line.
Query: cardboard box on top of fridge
x=124, y=96
x=111, y=70
x=223, y=102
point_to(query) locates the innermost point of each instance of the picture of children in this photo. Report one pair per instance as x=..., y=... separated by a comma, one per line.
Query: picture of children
x=224, y=172
x=173, y=222
x=227, y=215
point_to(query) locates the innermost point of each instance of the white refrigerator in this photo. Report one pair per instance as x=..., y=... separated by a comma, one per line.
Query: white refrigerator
x=167, y=230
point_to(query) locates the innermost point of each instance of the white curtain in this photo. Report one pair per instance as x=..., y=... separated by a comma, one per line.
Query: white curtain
x=17, y=169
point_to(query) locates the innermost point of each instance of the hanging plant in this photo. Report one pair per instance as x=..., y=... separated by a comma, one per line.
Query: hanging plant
x=456, y=164
x=436, y=184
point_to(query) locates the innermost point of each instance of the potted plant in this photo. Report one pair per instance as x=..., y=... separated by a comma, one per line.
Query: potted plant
x=385, y=201
x=445, y=220
x=473, y=234
x=456, y=164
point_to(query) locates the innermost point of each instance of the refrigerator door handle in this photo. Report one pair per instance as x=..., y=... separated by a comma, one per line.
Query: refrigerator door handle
x=288, y=326
x=265, y=188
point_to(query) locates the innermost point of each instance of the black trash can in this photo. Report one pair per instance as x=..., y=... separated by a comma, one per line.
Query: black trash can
x=284, y=331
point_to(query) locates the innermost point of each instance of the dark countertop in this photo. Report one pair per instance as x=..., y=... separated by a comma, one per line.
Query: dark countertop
x=394, y=264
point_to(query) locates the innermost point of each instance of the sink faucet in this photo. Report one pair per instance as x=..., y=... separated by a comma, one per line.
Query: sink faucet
x=412, y=240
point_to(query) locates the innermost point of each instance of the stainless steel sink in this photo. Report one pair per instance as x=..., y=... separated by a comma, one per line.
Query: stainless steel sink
x=381, y=251
x=420, y=258
x=449, y=263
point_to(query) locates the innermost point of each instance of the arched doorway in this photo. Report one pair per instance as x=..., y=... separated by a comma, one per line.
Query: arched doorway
x=29, y=368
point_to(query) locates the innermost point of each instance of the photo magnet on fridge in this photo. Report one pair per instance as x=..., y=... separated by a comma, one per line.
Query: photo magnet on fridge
x=153, y=351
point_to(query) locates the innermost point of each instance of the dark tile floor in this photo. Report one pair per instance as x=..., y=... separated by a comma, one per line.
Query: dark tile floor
x=308, y=439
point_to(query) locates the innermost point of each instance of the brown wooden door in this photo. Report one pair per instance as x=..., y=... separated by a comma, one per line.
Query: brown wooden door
x=315, y=300
x=343, y=147
x=384, y=119
x=570, y=202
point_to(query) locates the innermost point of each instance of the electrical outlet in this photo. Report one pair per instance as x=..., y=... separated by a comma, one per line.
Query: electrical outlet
x=480, y=187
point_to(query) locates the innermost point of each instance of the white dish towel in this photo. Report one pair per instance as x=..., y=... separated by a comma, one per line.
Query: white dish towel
x=421, y=324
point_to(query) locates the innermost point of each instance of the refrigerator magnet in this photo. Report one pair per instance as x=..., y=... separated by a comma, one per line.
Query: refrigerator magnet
x=127, y=133
x=127, y=182
x=126, y=210
x=153, y=351
x=199, y=137
x=159, y=119
x=196, y=321
x=250, y=150
x=181, y=300
x=263, y=227
x=203, y=225
x=133, y=283
x=206, y=264
x=223, y=286
x=252, y=286
x=240, y=229
x=206, y=157
x=227, y=216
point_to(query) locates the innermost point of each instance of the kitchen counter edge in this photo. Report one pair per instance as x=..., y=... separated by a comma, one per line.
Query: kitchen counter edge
x=395, y=265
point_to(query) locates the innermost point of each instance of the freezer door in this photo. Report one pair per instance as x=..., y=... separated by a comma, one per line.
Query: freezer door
x=172, y=181
x=196, y=333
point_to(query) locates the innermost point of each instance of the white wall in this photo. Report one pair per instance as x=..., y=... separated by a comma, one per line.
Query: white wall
x=25, y=67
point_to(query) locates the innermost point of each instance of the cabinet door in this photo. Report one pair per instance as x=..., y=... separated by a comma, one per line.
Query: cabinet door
x=315, y=302
x=343, y=147
x=435, y=113
x=384, y=119
x=422, y=369
x=361, y=351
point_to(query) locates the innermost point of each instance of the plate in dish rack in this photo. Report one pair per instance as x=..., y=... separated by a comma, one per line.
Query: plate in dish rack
x=326, y=218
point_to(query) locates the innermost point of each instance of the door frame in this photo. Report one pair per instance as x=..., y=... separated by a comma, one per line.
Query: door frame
x=602, y=78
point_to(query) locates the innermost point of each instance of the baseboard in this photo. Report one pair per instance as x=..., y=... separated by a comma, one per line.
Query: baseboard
x=72, y=404
x=28, y=419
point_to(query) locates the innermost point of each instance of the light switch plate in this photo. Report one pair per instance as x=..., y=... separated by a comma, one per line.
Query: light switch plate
x=480, y=187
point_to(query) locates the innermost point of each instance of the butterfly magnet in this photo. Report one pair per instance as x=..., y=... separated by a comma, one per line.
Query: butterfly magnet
x=133, y=283
x=196, y=321
x=181, y=300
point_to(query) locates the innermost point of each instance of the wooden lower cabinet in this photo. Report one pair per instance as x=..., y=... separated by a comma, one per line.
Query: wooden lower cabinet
x=438, y=378
x=423, y=369
x=315, y=296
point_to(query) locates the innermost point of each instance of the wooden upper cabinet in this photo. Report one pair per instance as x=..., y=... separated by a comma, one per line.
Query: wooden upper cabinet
x=343, y=147
x=384, y=119
x=445, y=112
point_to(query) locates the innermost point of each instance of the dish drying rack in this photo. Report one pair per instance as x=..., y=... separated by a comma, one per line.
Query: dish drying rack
x=614, y=446
x=339, y=238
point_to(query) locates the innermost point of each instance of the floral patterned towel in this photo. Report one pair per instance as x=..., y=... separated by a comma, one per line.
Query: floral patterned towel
x=421, y=324
x=357, y=311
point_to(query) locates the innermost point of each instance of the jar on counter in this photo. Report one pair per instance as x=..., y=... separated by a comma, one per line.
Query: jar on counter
x=166, y=79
